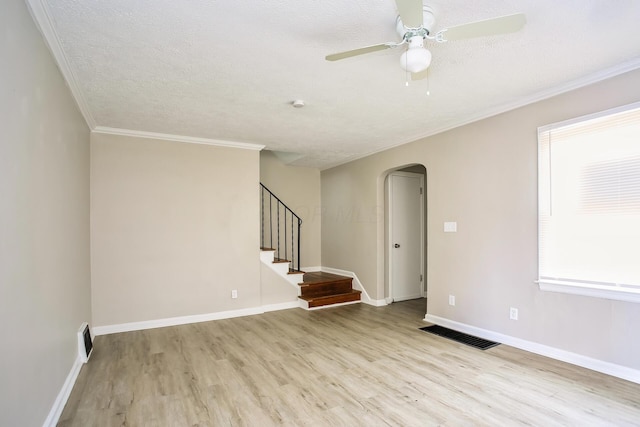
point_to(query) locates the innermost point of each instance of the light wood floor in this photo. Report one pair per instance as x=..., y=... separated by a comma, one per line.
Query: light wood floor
x=351, y=365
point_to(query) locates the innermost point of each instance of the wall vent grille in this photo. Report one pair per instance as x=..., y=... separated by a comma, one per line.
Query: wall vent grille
x=85, y=344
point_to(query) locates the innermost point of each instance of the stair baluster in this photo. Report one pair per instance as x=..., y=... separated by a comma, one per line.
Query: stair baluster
x=291, y=253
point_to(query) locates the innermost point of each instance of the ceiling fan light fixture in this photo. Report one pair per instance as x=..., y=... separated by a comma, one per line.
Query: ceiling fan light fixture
x=415, y=59
x=416, y=23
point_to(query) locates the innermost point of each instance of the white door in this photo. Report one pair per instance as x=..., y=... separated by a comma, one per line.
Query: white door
x=406, y=236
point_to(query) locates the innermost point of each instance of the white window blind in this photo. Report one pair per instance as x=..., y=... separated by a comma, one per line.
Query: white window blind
x=589, y=205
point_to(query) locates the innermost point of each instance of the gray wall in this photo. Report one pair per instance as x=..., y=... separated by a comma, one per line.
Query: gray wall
x=484, y=176
x=44, y=223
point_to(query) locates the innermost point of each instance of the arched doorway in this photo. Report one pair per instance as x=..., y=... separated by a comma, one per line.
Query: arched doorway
x=405, y=233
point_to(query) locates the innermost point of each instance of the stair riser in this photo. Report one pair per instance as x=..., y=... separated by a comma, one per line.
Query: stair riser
x=337, y=300
x=321, y=289
x=326, y=288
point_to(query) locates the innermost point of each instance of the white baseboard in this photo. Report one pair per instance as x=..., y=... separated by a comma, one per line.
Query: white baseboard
x=281, y=306
x=174, y=321
x=63, y=395
x=364, y=297
x=608, y=368
x=376, y=302
x=197, y=318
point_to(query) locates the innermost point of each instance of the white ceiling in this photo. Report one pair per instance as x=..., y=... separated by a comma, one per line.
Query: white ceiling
x=228, y=70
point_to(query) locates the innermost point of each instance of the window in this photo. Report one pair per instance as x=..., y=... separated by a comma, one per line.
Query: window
x=589, y=205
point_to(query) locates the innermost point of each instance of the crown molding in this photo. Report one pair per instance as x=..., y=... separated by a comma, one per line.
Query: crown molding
x=593, y=78
x=42, y=17
x=176, y=138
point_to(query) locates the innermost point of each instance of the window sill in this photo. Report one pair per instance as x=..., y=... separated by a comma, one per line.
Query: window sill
x=591, y=290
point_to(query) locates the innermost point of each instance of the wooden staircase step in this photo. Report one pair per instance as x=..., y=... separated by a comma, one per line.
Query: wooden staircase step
x=320, y=283
x=318, y=277
x=319, y=301
x=319, y=288
x=281, y=260
x=325, y=288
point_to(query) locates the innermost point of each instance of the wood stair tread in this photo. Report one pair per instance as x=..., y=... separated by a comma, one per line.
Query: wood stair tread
x=318, y=277
x=328, y=282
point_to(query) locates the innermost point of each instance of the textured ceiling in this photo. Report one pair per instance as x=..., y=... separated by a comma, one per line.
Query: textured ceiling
x=228, y=70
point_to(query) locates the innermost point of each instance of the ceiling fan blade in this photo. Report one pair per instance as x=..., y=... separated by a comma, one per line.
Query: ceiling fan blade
x=421, y=75
x=488, y=27
x=360, y=51
x=410, y=12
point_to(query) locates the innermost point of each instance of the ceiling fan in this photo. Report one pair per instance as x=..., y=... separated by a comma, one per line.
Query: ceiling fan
x=415, y=24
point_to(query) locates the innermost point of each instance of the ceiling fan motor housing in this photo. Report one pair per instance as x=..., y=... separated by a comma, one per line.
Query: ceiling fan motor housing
x=428, y=23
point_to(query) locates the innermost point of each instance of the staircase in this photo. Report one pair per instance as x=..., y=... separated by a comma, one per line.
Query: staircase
x=320, y=289
x=279, y=229
x=280, y=249
x=317, y=289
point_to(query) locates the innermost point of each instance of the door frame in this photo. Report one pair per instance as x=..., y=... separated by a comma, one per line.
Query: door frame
x=389, y=210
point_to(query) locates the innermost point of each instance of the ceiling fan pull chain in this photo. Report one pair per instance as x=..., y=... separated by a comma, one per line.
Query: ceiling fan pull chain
x=406, y=73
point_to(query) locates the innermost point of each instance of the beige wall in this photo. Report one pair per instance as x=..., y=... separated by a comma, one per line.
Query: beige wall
x=298, y=188
x=275, y=289
x=174, y=228
x=484, y=176
x=44, y=223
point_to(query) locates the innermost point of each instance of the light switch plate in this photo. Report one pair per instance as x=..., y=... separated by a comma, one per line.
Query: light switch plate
x=450, y=227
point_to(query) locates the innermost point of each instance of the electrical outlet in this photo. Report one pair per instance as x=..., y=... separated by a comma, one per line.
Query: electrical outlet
x=452, y=300
x=513, y=313
x=234, y=294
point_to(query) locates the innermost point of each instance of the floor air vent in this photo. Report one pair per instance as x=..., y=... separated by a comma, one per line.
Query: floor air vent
x=460, y=337
x=85, y=345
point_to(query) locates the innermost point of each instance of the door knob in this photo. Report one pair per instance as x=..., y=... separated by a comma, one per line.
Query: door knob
x=396, y=245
